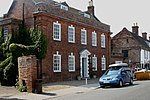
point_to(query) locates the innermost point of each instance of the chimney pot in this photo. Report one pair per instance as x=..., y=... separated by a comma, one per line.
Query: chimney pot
x=91, y=7
x=144, y=35
x=90, y=2
x=135, y=28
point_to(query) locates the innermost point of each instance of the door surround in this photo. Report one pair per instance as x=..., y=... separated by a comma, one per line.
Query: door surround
x=84, y=54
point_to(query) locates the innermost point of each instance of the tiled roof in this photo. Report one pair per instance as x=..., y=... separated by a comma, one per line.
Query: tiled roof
x=53, y=8
x=141, y=41
x=72, y=14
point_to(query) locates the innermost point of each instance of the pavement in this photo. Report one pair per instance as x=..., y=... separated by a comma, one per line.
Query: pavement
x=54, y=90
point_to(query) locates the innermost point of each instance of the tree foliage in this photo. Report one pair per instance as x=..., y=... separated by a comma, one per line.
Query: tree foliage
x=22, y=43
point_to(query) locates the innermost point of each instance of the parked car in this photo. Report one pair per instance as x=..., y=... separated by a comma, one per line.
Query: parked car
x=117, y=75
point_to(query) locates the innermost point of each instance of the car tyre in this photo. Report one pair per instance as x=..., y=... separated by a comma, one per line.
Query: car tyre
x=120, y=83
x=131, y=81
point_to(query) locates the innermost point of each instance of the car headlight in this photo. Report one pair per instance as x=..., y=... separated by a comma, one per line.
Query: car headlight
x=100, y=79
x=115, y=79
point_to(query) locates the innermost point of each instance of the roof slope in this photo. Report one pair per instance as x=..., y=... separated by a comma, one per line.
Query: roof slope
x=53, y=7
x=141, y=41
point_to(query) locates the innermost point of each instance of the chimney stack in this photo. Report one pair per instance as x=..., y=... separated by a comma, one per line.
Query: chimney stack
x=91, y=7
x=144, y=35
x=135, y=28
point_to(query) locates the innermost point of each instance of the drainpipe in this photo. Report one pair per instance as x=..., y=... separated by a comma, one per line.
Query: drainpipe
x=23, y=15
x=34, y=22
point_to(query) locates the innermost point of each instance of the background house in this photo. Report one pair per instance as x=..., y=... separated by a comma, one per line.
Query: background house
x=78, y=42
x=131, y=48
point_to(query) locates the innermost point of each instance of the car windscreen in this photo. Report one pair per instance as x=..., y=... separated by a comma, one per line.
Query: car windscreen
x=112, y=71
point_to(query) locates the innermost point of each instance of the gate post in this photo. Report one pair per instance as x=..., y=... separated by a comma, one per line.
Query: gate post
x=27, y=67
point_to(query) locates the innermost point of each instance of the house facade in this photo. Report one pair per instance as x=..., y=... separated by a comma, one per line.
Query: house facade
x=78, y=42
x=131, y=48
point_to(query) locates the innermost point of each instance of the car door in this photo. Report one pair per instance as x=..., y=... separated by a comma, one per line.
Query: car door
x=129, y=76
x=124, y=76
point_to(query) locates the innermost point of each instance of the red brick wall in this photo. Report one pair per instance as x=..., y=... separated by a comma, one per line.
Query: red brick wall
x=65, y=48
x=27, y=72
x=66, y=18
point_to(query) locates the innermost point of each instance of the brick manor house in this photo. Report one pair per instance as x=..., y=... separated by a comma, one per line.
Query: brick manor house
x=78, y=42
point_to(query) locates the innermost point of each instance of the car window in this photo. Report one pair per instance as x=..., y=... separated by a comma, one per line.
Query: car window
x=113, y=71
x=124, y=72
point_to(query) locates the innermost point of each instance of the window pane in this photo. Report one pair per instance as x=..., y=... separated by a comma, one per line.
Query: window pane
x=94, y=39
x=57, y=31
x=57, y=63
x=94, y=63
x=83, y=37
x=71, y=34
x=103, y=63
x=71, y=63
x=103, y=40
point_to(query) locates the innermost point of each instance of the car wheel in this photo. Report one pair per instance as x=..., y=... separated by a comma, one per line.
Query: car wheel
x=131, y=81
x=120, y=83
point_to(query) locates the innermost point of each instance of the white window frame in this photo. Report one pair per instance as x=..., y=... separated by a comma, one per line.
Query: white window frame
x=5, y=34
x=103, y=40
x=56, y=31
x=103, y=63
x=71, y=34
x=94, y=38
x=57, y=64
x=64, y=7
x=83, y=36
x=71, y=63
x=94, y=63
x=87, y=15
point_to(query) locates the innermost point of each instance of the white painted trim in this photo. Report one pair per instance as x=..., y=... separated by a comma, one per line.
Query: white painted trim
x=84, y=54
x=103, y=40
x=73, y=62
x=56, y=23
x=73, y=34
x=58, y=55
x=94, y=36
x=85, y=33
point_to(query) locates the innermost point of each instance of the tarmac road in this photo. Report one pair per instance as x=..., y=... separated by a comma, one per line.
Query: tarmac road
x=139, y=91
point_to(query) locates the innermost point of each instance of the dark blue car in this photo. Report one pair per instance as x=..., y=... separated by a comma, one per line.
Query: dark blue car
x=117, y=75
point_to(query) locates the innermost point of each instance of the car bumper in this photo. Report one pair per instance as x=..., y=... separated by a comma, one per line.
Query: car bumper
x=109, y=83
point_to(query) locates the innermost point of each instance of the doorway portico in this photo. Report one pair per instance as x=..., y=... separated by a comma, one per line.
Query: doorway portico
x=84, y=63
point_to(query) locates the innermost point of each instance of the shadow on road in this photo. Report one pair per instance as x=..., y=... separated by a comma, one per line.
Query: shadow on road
x=49, y=94
x=111, y=87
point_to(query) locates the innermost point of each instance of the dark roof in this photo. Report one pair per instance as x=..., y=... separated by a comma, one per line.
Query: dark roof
x=53, y=8
x=65, y=4
x=71, y=14
x=142, y=41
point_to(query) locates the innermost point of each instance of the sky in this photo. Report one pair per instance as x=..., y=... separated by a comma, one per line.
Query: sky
x=116, y=13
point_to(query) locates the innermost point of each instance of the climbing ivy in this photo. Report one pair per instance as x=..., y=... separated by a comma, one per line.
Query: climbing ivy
x=22, y=43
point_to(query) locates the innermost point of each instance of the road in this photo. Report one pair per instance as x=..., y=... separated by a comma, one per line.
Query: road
x=139, y=91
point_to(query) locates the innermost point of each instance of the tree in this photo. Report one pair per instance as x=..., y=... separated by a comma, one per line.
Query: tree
x=22, y=43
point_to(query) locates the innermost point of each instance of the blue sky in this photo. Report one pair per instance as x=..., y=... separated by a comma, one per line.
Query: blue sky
x=116, y=13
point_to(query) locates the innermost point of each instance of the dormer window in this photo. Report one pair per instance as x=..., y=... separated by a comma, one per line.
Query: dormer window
x=86, y=15
x=64, y=7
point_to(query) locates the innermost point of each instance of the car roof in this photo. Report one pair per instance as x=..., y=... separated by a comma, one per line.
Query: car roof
x=119, y=65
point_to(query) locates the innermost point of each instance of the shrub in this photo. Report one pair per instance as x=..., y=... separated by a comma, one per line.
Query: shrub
x=22, y=88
